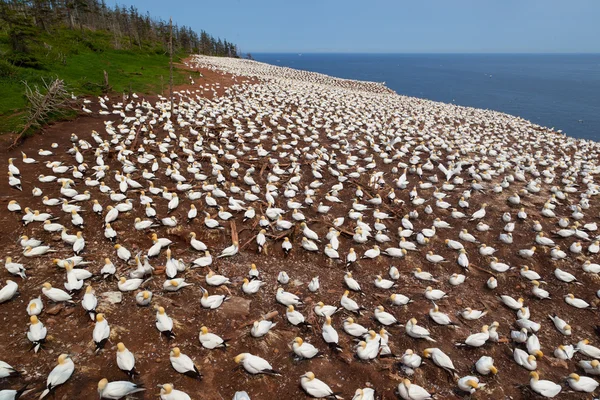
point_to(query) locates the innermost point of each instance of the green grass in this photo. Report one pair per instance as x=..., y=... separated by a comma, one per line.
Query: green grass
x=79, y=58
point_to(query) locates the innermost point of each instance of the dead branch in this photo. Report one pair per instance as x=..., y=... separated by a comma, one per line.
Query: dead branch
x=42, y=105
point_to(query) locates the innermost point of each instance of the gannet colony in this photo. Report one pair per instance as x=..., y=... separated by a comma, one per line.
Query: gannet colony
x=297, y=236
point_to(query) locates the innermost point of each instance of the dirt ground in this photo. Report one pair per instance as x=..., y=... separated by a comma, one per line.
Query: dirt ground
x=70, y=329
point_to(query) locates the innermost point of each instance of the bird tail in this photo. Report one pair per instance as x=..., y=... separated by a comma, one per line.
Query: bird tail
x=44, y=393
x=271, y=372
x=139, y=388
x=335, y=347
x=168, y=334
x=21, y=391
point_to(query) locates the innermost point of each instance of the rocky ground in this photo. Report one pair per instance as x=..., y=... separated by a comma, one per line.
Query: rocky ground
x=70, y=329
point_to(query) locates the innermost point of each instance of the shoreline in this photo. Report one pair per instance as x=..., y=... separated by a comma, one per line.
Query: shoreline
x=243, y=67
x=522, y=86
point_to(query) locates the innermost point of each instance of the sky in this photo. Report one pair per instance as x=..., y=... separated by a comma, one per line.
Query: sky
x=390, y=26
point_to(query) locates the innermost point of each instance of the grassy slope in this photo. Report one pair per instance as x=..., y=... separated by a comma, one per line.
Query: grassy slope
x=80, y=59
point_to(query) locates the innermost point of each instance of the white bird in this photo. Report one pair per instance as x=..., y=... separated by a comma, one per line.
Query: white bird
x=117, y=389
x=410, y=391
x=14, y=268
x=101, y=332
x=485, y=366
x=126, y=360
x=59, y=375
x=316, y=388
x=469, y=384
x=168, y=392
x=582, y=383
x=37, y=333
x=304, y=350
x=255, y=365
x=416, y=331
x=287, y=298
x=183, y=364
x=164, y=323
x=56, y=295
x=545, y=388
x=210, y=340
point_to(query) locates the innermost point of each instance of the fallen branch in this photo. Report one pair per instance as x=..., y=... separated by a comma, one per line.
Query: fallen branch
x=42, y=106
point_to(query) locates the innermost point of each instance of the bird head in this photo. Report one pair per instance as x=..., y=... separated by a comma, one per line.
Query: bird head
x=493, y=370
x=167, y=388
x=204, y=330
x=239, y=358
x=574, y=376
x=62, y=358
x=99, y=317
x=33, y=319
x=427, y=353
x=539, y=354
x=309, y=375
x=328, y=320
x=47, y=285
x=175, y=352
x=299, y=341
x=121, y=347
x=534, y=375
x=473, y=383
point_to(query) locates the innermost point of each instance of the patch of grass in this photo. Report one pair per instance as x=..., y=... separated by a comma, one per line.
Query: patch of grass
x=80, y=59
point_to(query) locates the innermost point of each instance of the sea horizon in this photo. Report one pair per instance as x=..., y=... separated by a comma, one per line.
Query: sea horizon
x=423, y=53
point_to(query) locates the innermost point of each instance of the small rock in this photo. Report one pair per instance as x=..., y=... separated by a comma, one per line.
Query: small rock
x=54, y=310
x=236, y=306
x=556, y=362
x=458, y=302
x=76, y=349
x=50, y=321
x=69, y=311
x=112, y=297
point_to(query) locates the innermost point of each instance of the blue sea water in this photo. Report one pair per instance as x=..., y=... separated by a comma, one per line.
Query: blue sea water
x=552, y=90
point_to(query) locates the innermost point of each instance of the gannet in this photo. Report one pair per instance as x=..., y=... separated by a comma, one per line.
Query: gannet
x=316, y=388
x=117, y=389
x=255, y=365
x=126, y=360
x=184, y=364
x=59, y=375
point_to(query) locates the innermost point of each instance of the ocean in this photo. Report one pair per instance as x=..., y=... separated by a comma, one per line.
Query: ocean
x=553, y=90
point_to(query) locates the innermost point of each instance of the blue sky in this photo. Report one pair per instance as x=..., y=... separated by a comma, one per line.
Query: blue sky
x=391, y=26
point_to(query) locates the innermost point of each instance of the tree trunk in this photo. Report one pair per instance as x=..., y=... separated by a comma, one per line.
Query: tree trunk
x=171, y=63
